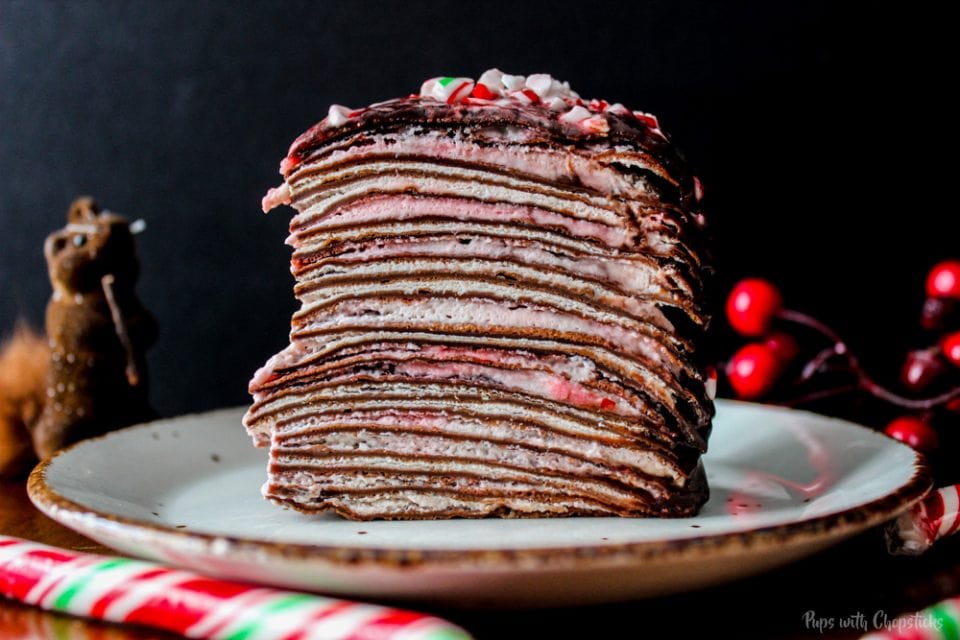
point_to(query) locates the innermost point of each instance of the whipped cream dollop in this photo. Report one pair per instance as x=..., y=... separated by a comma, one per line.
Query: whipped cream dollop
x=495, y=87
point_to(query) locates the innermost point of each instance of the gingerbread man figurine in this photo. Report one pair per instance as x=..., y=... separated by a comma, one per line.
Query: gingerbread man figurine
x=97, y=329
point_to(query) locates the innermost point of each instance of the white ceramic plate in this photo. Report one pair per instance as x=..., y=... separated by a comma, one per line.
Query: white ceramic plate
x=784, y=484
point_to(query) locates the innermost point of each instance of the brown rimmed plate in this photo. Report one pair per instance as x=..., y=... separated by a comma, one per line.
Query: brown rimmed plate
x=784, y=484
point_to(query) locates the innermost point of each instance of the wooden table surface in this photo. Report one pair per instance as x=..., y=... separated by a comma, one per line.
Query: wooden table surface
x=847, y=586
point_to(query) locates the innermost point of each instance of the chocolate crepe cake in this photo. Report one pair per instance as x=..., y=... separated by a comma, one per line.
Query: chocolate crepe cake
x=501, y=301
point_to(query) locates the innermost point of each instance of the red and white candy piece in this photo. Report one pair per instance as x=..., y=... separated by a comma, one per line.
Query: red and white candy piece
x=513, y=83
x=599, y=105
x=536, y=89
x=586, y=120
x=617, y=109
x=447, y=89
x=191, y=605
x=651, y=122
x=525, y=96
x=647, y=119
x=933, y=518
x=546, y=87
x=338, y=115
x=483, y=92
x=576, y=115
x=555, y=103
x=541, y=84
x=490, y=83
x=596, y=124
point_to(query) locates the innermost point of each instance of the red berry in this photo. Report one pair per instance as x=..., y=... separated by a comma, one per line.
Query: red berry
x=951, y=347
x=954, y=405
x=752, y=305
x=783, y=345
x=920, y=368
x=753, y=370
x=937, y=313
x=943, y=280
x=607, y=404
x=913, y=431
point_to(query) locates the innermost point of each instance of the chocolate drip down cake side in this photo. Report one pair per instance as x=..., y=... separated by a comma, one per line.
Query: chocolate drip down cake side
x=501, y=303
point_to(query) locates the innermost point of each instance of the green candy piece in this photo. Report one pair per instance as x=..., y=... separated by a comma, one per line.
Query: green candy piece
x=948, y=621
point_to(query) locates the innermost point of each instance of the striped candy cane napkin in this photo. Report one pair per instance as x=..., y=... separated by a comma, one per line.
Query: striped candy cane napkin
x=195, y=606
x=935, y=517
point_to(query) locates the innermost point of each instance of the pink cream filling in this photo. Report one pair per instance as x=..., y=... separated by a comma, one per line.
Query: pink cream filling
x=536, y=383
x=417, y=313
x=575, y=368
x=631, y=276
x=564, y=381
x=315, y=200
x=276, y=197
x=384, y=208
x=547, y=165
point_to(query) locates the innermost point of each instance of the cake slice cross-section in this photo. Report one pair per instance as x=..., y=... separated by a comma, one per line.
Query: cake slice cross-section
x=501, y=309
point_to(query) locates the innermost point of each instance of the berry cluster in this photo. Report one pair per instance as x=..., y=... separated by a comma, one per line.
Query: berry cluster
x=755, y=310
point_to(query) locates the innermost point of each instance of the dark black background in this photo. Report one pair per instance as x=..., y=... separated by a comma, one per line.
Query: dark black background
x=814, y=129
